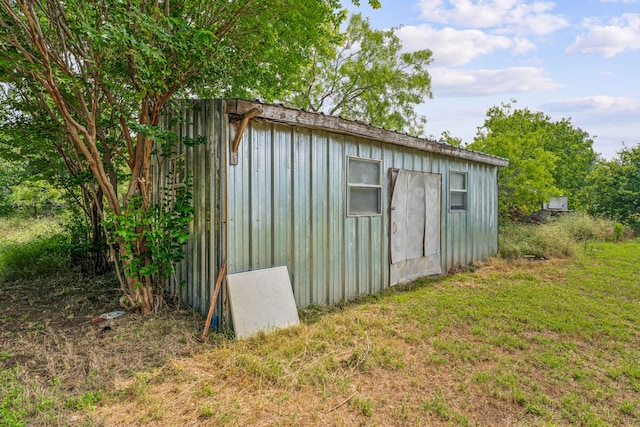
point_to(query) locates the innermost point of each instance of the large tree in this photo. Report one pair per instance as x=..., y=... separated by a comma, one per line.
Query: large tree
x=518, y=134
x=363, y=74
x=546, y=158
x=612, y=189
x=575, y=157
x=33, y=136
x=104, y=72
x=10, y=175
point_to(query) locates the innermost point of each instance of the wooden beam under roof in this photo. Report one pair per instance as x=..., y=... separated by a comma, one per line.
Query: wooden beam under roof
x=334, y=124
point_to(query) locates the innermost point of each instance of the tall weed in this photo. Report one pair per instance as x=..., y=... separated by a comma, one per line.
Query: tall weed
x=556, y=237
x=582, y=227
x=32, y=249
x=22, y=230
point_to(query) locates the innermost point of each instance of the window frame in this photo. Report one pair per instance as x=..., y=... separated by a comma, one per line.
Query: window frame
x=459, y=191
x=355, y=185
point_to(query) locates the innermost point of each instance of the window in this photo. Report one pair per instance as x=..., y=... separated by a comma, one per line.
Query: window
x=364, y=187
x=457, y=191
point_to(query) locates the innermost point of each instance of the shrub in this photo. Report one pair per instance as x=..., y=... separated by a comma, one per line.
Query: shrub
x=618, y=230
x=555, y=238
x=582, y=227
x=520, y=240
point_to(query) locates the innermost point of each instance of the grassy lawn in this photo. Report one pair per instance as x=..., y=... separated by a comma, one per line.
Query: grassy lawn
x=28, y=246
x=504, y=343
x=511, y=343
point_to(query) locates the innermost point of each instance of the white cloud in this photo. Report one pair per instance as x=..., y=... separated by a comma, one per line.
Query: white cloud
x=540, y=25
x=453, y=47
x=609, y=120
x=601, y=105
x=621, y=1
x=451, y=82
x=503, y=16
x=522, y=46
x=610, y=39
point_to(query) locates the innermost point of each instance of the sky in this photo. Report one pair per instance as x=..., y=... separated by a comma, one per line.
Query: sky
x=571, y=59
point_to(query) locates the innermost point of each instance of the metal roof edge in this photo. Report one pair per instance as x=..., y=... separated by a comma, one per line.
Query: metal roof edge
x=297, y=117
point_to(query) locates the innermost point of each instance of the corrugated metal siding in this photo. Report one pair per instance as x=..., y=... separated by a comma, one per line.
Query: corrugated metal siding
x=202, y=252
x=286, y=205
x=287, y=199
x=471, y=235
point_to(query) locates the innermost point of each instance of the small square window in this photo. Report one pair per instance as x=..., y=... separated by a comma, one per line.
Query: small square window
x=458, y=191
x=364, y=187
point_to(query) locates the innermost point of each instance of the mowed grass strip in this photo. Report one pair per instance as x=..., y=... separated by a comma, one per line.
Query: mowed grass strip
x=511, y=343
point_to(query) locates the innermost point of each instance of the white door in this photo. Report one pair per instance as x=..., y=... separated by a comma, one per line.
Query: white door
x=415, y=226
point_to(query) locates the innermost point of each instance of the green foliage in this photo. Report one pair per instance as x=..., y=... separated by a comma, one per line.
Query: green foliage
x=582, y=228
x=9, y=176
x=518, y=136
x=162, y=226
x=92, y=69
x=87, y=400
x=32, y=248
x=613, y=188
x=438, y=406
x=520, y=240
x=556, y=238
x=39, y=257
x=219, y=49
x=31, y=144
x=363, y=74
x=36, y=197
x=50, y=176
x=575, y=157
x=81, y=246
x=12, y=412
x=363, y=406
x=618, y=230
x=451, y=140
x=546, y=158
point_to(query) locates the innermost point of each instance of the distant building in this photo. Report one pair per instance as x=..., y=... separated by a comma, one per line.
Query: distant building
x=555, y=206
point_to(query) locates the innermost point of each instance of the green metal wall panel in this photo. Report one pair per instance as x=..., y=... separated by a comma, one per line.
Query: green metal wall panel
x=336, y=218
x=286, y=205
x=202, y=252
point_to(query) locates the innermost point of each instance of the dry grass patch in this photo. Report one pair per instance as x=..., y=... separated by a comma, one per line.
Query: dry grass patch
x=61, y=362
x=338, y=373
x=509, y=343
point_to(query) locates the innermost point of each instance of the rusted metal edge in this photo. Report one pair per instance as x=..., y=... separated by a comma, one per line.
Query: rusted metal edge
x=281, y=114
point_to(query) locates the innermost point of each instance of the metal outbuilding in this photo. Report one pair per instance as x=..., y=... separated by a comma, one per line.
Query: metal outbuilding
x=350, y=209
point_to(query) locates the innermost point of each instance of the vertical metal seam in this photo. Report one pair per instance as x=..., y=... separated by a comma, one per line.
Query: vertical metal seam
x=272, y=204
x=292, y=227
x=310, y=245
x=357, y=234
x=224, y=191
x=343, y=216
x=211, y=155
x=249, y=161
x=328, y=214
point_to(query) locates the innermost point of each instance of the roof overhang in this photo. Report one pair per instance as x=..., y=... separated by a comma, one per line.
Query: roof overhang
x=295, y=117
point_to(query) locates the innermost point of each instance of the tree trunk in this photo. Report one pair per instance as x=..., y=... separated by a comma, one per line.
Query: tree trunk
x=100, y=260
x=139, y=291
